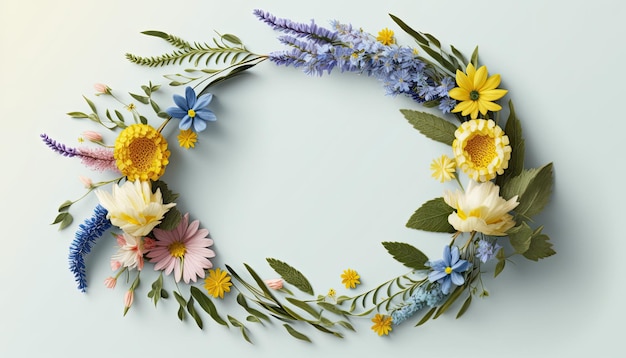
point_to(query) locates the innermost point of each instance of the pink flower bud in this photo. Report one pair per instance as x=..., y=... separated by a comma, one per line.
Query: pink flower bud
x=110, y=282
x=92, y=136
x=102, y=88
x=128, y=298
x=86, y=181
x=274, y=284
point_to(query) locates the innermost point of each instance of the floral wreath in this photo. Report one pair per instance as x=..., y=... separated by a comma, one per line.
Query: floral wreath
x=497, y=202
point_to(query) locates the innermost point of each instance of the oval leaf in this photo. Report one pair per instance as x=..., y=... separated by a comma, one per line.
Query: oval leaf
x=432, y=216
x=407, y=255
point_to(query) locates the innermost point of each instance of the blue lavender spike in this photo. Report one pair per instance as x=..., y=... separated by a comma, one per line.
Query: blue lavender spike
x=85, y=237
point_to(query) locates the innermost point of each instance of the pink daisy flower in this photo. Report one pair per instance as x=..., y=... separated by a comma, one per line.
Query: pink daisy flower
x=184, y=250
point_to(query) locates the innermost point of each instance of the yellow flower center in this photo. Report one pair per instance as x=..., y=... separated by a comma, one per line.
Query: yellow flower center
x=448, y=270
x=481, y=150
x=177, y=249
x=191, y=113
x=142, y=152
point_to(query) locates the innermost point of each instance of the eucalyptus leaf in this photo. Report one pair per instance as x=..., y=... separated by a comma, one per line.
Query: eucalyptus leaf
x=77, y=115
x=465, y=306
x=432, y=216
x=407, y=255
x=295, y=333
x=207, y=305
x=192, y=311
x=431, y=126
x=291, y=275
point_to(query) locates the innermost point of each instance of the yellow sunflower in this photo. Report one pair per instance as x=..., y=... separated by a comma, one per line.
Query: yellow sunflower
x=481, y=149
x=141, y=153
x=476, y=92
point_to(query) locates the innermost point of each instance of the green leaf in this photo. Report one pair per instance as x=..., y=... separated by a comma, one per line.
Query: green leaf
x=303, y=306
x=77, y=115
x=232, y=39
x=142, y=99
x=182, y=303
x=207, y=305
x=192, y=311
x=156, y=293
x=172, y=217
x=520, y=237
x=540, y=248
x=65, y=206
x=160, y=34
x=432, y=216
x=501, y=262
x=241, y=327
x=474, y=58
x=91, y=104
x=416, y=35
x=433, y=127
x=331, y=308
x=407, y=255
x=465, y=306
x=513, y=130
x=291, y=275
x=426, y=316
x=295, y=333
x=241, y=299
x=450, y=300
x=533, y=187
x=66, y=220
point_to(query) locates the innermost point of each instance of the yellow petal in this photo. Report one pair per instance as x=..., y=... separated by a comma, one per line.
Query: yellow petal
x=463, y=81
x=460, y=94
x=491, y=83
x=492, y=95
x=480, y=77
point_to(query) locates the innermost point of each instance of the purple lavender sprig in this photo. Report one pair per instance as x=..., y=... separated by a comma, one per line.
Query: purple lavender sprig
x=58, y=147
x=99, y=159
x=86, y=235
x=317, y=34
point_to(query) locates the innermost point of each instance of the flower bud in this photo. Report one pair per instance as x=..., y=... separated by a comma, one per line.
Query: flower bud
x=102, y=88
x=274, y=284
x=92, y=136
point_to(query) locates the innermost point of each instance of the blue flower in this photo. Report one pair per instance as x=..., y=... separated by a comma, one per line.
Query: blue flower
x=449, y=269
x=486, y=251
x=192, y=111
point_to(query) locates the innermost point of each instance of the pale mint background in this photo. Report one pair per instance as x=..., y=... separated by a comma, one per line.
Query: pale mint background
x=316, y=172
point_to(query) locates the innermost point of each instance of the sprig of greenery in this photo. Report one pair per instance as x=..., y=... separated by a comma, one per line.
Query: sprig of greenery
x=225, y=48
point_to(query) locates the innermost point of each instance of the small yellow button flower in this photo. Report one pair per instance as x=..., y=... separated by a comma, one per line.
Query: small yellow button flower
x=382, y=324
x=350, y=278
x=385, y=36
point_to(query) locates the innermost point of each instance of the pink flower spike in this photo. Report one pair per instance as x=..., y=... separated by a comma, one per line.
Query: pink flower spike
x=110, y=282
x=93, y=136
x=102, y=88
x=274, y=284
x=86, y=181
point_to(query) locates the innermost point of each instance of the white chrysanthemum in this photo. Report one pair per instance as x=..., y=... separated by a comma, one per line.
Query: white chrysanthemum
x=480, y=208
x=133, y=207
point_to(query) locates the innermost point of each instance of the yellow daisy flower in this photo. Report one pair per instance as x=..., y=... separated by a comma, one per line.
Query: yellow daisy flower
x=385, y=36
x=350, y=278
x=187, y=138
x=141, y=153
x=382, y=324
x=476, y=92
x=481, y=149
x=217, y=283
x=443, y=168
x=331, y=293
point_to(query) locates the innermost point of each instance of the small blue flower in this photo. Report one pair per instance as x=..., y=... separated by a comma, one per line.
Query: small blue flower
x=449, y=269
x=486, y=251
x=192, y=111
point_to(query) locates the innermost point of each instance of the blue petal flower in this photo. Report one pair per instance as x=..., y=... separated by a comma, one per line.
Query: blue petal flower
x=192, y=111
x=449, y=270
